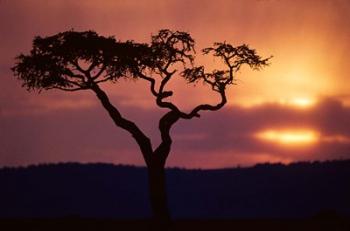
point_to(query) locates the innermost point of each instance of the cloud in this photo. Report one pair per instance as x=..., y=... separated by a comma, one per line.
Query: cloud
x=233, y=129
x=223, y=138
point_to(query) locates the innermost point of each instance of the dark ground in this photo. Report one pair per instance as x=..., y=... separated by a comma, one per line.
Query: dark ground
x=105, y=191
x=273, y=197
x=317, y=224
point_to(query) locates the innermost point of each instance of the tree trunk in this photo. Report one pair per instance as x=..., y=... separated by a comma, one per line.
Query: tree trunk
x=158, y=197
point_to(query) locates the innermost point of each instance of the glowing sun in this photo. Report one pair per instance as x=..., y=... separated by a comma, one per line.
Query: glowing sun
x=289, y=137
x=298, y=102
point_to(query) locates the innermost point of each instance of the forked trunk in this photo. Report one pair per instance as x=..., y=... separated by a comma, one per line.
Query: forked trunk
x=158, y=197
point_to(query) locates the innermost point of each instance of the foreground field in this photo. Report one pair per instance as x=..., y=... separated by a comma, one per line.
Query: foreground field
x=299, y=190
x=317, y=224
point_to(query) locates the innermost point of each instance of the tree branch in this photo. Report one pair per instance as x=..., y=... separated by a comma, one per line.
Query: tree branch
x=76, y=65
x=142, y=140
x=68, y=89
x=103, y=68
x=164, y=81
x=164, y=94
x=165, y=123
x=71, y=74
x=152, y=81
x=92, y=66
x=206, y=107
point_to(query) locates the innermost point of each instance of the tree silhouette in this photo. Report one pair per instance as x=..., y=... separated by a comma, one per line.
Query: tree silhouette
x=74, y=61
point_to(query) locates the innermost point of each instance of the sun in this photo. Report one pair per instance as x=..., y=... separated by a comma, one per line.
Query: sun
x=289, y=137
x=298, y=102
x=303, y=102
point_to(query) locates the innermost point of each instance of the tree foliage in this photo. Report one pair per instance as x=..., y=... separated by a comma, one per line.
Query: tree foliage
x=73, y=60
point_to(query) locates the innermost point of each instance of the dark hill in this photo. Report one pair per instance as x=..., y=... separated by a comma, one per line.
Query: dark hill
x=104, y=190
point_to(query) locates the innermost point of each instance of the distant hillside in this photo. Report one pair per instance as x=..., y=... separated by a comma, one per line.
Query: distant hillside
x=105, y=190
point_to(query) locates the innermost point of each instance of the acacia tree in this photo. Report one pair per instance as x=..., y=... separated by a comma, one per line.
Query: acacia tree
x=74, y=61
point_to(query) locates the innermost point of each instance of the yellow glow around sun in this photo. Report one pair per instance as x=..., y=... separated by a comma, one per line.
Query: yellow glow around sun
x=298, y=102
x=293, y=102
x=289, y=137
x=302, y=102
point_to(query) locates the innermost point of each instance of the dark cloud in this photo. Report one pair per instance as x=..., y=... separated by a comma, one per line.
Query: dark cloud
x=88, y=134
x=233, y=129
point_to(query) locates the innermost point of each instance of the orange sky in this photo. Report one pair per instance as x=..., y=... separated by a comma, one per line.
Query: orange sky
x=308, y=74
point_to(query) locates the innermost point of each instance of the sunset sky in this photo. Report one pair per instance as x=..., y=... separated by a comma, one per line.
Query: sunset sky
x=296, y=109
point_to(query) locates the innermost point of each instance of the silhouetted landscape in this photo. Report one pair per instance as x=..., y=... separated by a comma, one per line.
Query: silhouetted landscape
x=273, y=195
x=90, y=91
